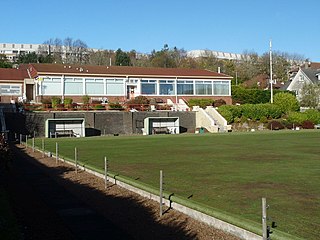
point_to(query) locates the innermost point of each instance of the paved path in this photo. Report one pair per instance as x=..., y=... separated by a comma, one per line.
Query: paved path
x=47, y=211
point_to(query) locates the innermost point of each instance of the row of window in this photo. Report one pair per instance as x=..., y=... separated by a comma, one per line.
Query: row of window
x=10, y=90
x=116, y=87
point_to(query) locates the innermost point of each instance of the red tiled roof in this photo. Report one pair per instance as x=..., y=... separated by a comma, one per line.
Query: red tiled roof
x=87, y=70
x=13, y=74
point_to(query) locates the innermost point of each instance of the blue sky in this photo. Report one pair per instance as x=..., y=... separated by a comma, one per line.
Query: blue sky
x=143, y=25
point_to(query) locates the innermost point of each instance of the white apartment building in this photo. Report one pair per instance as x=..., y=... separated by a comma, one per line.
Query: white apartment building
x=12, y=50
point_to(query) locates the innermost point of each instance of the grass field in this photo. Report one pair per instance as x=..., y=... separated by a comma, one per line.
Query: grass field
x=227, y=172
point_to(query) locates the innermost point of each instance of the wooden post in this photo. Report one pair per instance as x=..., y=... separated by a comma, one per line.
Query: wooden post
x=76, y=159
x=57, y=153
x=161, y=192
x=42, y=148
x=105, y=172
x=264, y=219
x=33, y=144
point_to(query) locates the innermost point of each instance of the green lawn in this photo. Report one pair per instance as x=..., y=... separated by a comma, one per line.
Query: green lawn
x=229, y=172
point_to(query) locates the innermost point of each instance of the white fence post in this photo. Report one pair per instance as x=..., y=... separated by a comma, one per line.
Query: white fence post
x=20, y=139
x=33, y=144
x=161, y=193
x=26, y=141
x=57, y=153
x=76, y=159
x=42, y=143
x=105, y=172
x=264, y=219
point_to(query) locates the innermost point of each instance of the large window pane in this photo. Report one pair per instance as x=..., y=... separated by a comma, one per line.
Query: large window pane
x=184, y=89
x=148, y=88
x=94, y=86
x=166, y=89
x=51, y=86
x=221, y=88
x=73, y=86
x=114, y=87
x=203, y=89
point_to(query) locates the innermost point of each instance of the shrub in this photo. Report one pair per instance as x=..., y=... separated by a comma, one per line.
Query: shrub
x=286, y=102
x=313, y=115
x=264, y=119
x=275, y=125
x=201, y=102
x=227, y=114
x=85, y=99
x=116, y=106
x=56, y=102
x=235, y=110
x=273, y=111
x=99, y=107
x=219, y=103
x=307, y=124
x=296, y=118
x=68, y=102
x=46, y=100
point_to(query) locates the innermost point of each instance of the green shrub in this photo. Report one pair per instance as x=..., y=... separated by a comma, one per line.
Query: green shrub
x=115, y=106
x=286, y=102
x=68, y=102
x=201, y=102
x=55, y=101
x=85, y=99
x=313, y=115
x=264, y=119
x=273, y=111
x=296, y=118
x=99, y=107
x=234, y=109
x=227, y=114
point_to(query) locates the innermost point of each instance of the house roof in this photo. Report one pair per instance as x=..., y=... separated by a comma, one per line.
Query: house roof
x=13, y=74
x=312, y=74
x=87, y=70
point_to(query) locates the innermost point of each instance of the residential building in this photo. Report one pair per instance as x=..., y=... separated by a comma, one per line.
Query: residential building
x=303, y=76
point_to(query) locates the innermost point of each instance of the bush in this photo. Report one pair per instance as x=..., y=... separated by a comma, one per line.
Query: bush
x=273, y=111
x=234, y=109
x=56, y=102
x=201, y=102
x=313, y=115
x=286, y=102
x=275, y=125
x=46, y=100
x=227, y=114
x=307, y=124
x=219, y=103
x=99, y=107
x=68, y=102
x=296, y=118
x=115, y=106
x=85, y=99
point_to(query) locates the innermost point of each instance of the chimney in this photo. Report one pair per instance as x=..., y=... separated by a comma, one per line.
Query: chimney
x=219, y=71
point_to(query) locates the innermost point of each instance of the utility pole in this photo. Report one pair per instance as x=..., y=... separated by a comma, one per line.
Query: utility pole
x=271, y=80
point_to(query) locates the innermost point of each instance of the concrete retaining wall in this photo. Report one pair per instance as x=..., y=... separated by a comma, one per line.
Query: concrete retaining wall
x=97, y=123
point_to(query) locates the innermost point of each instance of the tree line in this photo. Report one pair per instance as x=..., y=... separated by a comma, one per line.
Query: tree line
x=69, y=51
